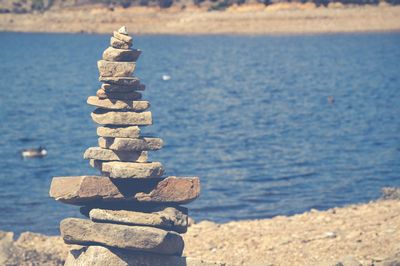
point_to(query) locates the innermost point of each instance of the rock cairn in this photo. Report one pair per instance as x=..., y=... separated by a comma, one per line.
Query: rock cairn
x=134, y=213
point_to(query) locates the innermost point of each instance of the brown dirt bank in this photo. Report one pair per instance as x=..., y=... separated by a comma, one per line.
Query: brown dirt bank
x=248, y=19
x=370, y=233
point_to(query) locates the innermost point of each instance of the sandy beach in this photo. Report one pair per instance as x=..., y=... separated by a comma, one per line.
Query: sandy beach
x=248, y=19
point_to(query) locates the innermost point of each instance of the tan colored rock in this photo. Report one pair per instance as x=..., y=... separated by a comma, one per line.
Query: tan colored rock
x=113, y=104
x=121, y=55
x=167, y=218
x=121, y=81
x=123, y=30
x=103, y=256
x=119, y=132
x=127, y=144
x=123, y=37
x=121, y=88
x=97, y=153
x=114, y=42
x=176, y=189
x=139, y=238
x=115, y=69
x=105, y=117
x=84, y=190
x=116, y=169
x=127, y=96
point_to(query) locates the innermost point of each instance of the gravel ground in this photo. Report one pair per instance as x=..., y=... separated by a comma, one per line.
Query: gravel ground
x=365, y=234
x=275, y=19
x=369, y=232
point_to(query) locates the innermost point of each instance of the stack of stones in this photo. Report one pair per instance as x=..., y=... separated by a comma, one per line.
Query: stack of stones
x=134, y=213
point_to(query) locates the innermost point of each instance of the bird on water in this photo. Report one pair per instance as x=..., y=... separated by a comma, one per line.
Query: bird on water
x=34, y=153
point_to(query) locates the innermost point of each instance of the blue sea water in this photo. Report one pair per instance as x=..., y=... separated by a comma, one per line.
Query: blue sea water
x=247, y=114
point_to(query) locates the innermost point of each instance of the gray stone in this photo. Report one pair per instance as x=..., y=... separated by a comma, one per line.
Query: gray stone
x=105, y=117
x=114, y=42
x=115, y=69
x=120, y=88
x=123, y=37
x=121, y=55
x=119, y=132
x=113, y=104
x=121, y=81
x=167, y=218
x=127, y=144
x=139, y=238
x=116, y=169
x=97, y=153
x=103, y=256
x=84, y=190
x=127, y=96
x=391, y=193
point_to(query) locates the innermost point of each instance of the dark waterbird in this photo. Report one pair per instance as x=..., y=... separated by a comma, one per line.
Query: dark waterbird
x=34, y=153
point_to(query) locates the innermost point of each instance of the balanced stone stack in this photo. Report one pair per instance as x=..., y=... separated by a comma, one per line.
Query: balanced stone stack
x=135, y=217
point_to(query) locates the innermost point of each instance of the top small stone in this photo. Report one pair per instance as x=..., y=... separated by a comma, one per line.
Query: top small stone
x=123, y=30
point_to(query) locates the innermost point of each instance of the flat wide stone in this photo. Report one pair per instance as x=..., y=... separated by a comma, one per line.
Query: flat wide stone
x=167, y=218
x=84, y=190
x=105, y=117
x=114, y=42
x=116, y=169
x=106, y=256
x=127, y=144
x=120, y=88
x=139, y=238
x=122, y=81
x=112, y=104
x=97, y=153
x=119, y=132
x=127, y=96
x=115, y=69
x=182, y=190
x=123, y=37
x=121, y=55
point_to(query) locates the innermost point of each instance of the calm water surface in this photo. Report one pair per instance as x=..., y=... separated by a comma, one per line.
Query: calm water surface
x=249, y=115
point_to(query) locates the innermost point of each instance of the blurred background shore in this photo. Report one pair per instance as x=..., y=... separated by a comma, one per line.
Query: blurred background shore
x=204, y=18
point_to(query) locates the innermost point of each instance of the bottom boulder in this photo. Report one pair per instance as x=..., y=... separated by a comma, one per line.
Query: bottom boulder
x=102, y=256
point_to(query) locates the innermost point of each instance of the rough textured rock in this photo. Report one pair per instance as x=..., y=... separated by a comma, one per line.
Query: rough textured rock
x=127, y=96
x=140, y=238
x=123, y=37
x=183, y=190
x=123, y=30
x=121, y=55
x=391, y=193
x=167, y=218
x=131, y=170
x=113, y=104
x=115, y=69
x=114, y=42
x=105, y=117
x=82, y=190
x=128, y=144
x=97, y=153
x=103, y=256
x=120, y=88
x=119, y=132
x=122, y=81
x=32, y=249
x=6, y=246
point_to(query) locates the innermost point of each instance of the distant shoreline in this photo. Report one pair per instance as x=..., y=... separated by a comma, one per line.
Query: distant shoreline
x=279, y=19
